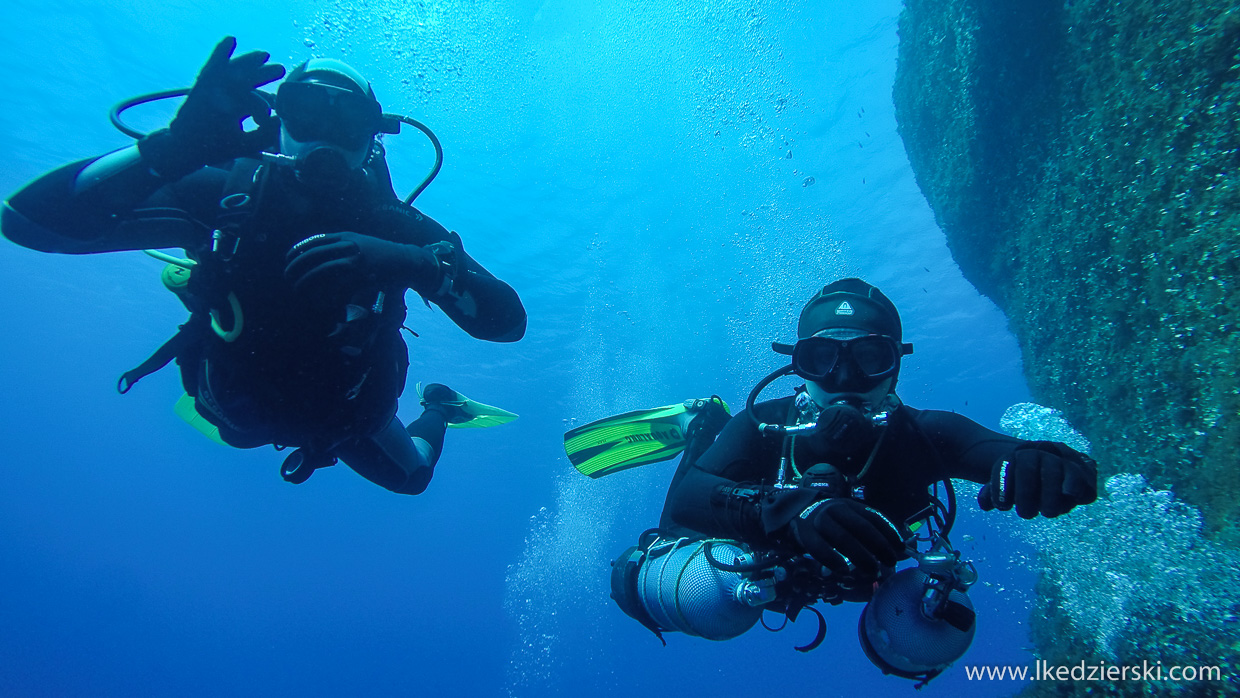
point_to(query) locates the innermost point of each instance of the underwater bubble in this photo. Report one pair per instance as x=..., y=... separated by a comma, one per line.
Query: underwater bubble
x=1133, y=572
x=807, y=181
x=1027, y=420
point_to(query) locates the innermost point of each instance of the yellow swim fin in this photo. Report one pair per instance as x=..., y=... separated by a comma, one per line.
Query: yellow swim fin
x=631, y=439
x=465, y=413
x=186, y=410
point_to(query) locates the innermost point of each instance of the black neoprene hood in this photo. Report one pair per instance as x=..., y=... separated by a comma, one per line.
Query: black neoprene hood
x=853, y=304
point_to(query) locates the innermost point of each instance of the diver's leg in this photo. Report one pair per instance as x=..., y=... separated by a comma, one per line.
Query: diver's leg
x=399, y=459
x=427, y=433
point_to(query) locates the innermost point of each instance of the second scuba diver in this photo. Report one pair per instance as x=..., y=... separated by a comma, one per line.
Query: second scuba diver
x=817, y=496
x=300, y=257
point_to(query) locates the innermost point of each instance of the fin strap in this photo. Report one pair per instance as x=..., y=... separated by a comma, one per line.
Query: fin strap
x=187, y=334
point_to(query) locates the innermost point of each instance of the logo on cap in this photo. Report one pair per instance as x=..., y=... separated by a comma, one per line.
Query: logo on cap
x=844, y=309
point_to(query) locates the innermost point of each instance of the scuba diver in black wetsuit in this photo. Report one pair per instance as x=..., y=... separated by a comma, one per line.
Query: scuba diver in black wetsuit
x=818, y=496
x=299, y=263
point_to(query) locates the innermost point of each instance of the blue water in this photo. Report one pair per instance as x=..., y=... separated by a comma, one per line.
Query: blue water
x=624, y=166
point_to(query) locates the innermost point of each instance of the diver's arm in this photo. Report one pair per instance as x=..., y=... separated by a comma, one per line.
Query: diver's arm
x=481, y=304
x=400, y=247
x=1035, y=477
x=688, y=500
x=477, y=302
x=102, y=205
x=106, y=204
x=717, y=494
x=966, y=449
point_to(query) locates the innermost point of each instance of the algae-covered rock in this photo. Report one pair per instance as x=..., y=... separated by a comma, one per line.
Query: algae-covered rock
x=1083, y=159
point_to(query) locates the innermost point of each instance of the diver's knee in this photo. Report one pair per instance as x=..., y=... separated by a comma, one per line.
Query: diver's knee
x=417, y=482
x=428, y=455
x=392, y=459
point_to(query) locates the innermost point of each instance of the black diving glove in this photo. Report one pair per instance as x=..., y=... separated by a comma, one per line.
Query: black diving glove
x=839, y=531
x=208, y=127
x=1041, y=477
x=353, y=259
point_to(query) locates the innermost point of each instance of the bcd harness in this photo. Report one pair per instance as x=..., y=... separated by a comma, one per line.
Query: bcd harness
x=238, y=204
x=206, y=287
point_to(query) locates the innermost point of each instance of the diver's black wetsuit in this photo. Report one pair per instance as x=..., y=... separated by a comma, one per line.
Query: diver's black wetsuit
x=321, y=368
x=920, y=447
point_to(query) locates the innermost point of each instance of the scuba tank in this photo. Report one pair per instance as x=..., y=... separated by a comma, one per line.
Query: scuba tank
x=682, y=589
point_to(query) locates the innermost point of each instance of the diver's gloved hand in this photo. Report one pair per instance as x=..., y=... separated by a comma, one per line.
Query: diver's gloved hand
x=353, y=259
x=208, y=127
x=844, y=428
x=839, y=531
x=1041, y=477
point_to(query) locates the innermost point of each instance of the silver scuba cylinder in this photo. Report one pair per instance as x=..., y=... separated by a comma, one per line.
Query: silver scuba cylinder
x=682, y=590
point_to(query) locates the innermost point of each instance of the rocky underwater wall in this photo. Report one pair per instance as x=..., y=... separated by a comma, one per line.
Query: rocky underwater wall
x=1083, y=160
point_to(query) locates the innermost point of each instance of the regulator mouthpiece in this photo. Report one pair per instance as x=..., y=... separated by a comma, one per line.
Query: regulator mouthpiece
x=845, y=428
x=321, y=168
